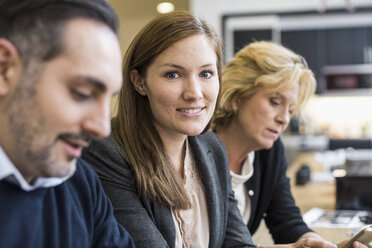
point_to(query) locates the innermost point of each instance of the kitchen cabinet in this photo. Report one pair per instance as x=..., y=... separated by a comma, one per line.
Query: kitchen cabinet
x=329, y=42
x=310, y=44
x=244, y=37
x=335, y=47
x=321, y=48
x=346, y=45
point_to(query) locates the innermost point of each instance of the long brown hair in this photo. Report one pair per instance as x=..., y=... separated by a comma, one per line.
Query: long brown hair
x=133, y=128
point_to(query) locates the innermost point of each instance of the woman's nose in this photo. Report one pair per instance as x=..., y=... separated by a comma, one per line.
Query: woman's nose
x=283, y=117
x=192, y=89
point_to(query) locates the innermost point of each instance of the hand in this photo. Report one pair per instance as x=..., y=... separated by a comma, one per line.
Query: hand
x=306, y=243
x=313, y=243
x=356, y=244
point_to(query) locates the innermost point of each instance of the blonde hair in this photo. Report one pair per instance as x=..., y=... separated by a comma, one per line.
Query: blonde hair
x=133, y=128
x=265, y=65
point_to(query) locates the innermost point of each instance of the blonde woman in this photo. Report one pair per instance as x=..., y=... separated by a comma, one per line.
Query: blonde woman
x=263, y=86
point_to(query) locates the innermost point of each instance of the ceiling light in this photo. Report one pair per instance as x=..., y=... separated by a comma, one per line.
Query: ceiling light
x=165, y=7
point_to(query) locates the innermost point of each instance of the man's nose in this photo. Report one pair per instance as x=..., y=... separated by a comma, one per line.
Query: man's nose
x=98, y=121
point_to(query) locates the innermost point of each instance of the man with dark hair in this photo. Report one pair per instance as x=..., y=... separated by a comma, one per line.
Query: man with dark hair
x=60, y=64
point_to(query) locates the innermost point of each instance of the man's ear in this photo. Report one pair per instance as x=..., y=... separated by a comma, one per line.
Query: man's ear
x=10, y=66
x=138, y=82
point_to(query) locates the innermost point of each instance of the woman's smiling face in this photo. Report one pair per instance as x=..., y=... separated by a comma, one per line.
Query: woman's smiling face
x=182, y=87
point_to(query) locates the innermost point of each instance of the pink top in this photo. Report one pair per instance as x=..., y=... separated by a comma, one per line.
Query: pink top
x=192, y=225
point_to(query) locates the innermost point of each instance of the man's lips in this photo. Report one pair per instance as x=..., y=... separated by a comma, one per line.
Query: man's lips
x=73, y=146
x=76, y=142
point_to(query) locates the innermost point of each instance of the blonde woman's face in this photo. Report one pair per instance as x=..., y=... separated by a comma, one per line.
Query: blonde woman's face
x=182, y=86
x=263, y=117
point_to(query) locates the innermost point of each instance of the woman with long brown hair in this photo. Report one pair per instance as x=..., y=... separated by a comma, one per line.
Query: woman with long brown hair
x=167, y=177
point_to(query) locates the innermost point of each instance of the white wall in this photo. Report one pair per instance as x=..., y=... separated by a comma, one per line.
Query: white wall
x=213, y=10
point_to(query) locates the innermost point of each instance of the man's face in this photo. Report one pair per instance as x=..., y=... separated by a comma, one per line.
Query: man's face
x=52, y=116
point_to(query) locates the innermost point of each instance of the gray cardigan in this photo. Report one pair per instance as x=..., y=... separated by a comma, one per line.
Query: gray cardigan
x=149, y=223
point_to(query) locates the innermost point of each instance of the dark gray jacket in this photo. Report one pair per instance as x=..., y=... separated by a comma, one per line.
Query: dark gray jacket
x=149, y=223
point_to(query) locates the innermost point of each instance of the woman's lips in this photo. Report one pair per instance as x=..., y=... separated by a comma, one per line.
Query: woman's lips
x=274, y=133
x=191, y=112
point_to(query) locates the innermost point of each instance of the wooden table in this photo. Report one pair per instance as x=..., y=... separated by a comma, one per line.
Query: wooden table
x=322, y=195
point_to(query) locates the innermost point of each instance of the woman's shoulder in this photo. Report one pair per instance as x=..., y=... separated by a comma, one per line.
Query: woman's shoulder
x=210, y=147
x=106, y=156
x=273, y=158
x=209, y=139
x=104, y=149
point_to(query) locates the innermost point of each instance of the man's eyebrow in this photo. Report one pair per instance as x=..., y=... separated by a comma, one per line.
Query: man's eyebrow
x=98, y=84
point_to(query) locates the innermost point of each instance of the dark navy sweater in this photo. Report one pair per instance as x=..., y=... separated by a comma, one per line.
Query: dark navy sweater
x=76, y=213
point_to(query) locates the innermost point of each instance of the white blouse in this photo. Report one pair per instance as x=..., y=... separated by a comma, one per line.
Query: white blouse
x=192, y=225
x=241, y=194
